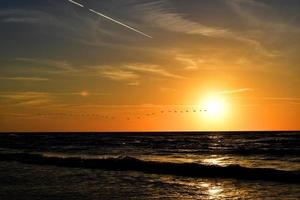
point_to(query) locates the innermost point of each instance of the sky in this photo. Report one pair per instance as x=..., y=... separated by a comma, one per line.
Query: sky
x=149, y=65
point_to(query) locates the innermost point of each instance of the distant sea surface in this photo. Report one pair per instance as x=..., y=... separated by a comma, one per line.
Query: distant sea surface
x=183, y=165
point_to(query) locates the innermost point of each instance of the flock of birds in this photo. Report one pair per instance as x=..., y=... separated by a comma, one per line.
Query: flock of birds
x=131, y=117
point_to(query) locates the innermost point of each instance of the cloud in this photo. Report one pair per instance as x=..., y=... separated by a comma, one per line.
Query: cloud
x=282, y=98
x=29, y=20
x=271, y=29
x=25, y=16
x=131, y=74
x=54, y=22
x=24, y=78
x=82, y=93
x=136, y=83
x=235, y=91
x=118, y=74
x=249, y=10
x=189, y=62
x=292, y=100
x=27, y=98
x=48, y=65
x=162, y=14
x=152, y=69
x=178, y=23
x=30, y=98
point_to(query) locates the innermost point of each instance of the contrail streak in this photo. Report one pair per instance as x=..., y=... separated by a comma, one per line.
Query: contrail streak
x=111, y=19
x=120, y=23
x=78, y=4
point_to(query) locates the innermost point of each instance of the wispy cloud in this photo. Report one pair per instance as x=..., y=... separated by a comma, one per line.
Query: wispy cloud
x=136, y=83
x=48, y=65
x=131, y=74
x=152, y=69
x=69, y=26
x=292, y=100
x=27, y=98
x=271, y=29
x=24, y=78
x=118, y=74
x=244, y=8
x=282, y=98
x=82, y=93
x=235, y=91
x=178, y=23
x=30, y=98
x=162, y=15
x=189, y=62
x=19, y=20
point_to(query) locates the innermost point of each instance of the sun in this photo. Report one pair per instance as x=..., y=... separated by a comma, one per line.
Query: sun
x=215, y=106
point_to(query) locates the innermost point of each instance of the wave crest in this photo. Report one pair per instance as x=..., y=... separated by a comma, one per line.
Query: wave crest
x=126, y=163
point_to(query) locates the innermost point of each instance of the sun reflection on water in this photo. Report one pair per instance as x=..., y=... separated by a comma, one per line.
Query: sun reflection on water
x=204, y=189
x=212, y=191
x=215, y=192
x=215, y=160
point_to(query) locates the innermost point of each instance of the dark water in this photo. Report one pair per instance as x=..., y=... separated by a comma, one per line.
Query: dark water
x=250, y=165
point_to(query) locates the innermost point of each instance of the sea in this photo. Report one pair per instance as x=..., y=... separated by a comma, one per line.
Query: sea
x=151, y=165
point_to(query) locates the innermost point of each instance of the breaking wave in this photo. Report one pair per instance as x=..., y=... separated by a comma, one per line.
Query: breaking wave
x=155, y=167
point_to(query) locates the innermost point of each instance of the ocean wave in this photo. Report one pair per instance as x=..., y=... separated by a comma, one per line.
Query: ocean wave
x=241, y=151
x=155, y=167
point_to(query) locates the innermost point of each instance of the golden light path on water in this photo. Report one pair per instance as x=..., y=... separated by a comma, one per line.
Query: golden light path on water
x=204, y=188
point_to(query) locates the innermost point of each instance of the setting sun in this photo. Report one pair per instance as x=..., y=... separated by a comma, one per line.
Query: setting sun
x=149, y=99
x=215, y=106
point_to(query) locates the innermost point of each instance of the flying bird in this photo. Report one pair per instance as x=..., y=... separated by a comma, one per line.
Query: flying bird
x=111, y=19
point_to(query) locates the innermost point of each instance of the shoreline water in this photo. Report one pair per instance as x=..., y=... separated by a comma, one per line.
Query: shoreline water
x=214, y=165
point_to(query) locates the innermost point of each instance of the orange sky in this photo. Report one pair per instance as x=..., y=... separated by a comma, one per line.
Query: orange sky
x=207, y=65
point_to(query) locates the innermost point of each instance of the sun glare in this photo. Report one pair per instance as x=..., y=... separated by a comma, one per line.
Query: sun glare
x=215, y=106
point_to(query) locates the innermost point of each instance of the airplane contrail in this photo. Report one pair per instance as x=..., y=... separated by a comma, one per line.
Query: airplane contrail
x=120, y=23
x=78, y=4
x=111, y=19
